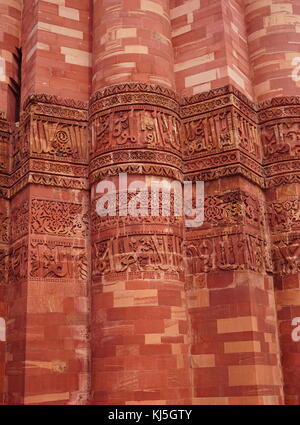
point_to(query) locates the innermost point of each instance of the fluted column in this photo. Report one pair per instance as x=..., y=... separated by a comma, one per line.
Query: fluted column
x=56, y=41
x=139, y=322
x=274, y=51
x=210, y=46
x=132, y=42
x=10, y=27
x=279, y=120
x=2, y=355
x=47, y=291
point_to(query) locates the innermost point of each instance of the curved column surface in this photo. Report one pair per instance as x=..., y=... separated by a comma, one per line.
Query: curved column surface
x=273, y=41
x=139, y=321
x=47, y=338
x=274, y=51
x=10, y=24
x=230, y=297
x=56, y=44
x=280, y=130
x=139, y=324
x=132, y=42
x=210, y=45
x=283, y=205
x=2, y=356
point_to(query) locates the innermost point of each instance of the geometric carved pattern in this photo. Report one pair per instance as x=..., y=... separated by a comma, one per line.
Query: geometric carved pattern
x=20, y=220
x=58, y=218
x=195, y=130
x=231, y=208
x=4, y=222
x=211, y=124
x=284, y=215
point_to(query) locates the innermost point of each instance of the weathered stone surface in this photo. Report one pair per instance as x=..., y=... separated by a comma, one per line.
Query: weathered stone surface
x=145, y=310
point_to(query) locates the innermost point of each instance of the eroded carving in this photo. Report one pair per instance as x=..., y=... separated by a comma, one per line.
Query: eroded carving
x=57, y=260
x=147, y=253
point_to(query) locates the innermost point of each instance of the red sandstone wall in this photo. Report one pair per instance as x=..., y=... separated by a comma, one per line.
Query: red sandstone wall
x=210, y=45
x=274, y=48
x=122, y=311
x=280, y=127
x=234, y=351
x=283, y=209
x=48, y=351
x=10, y=12
x=48, y=294
x=56, y=41
x=139, y=322
x=132, y=42
x=273, y=41
x=4, y=241
x=2, y=354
